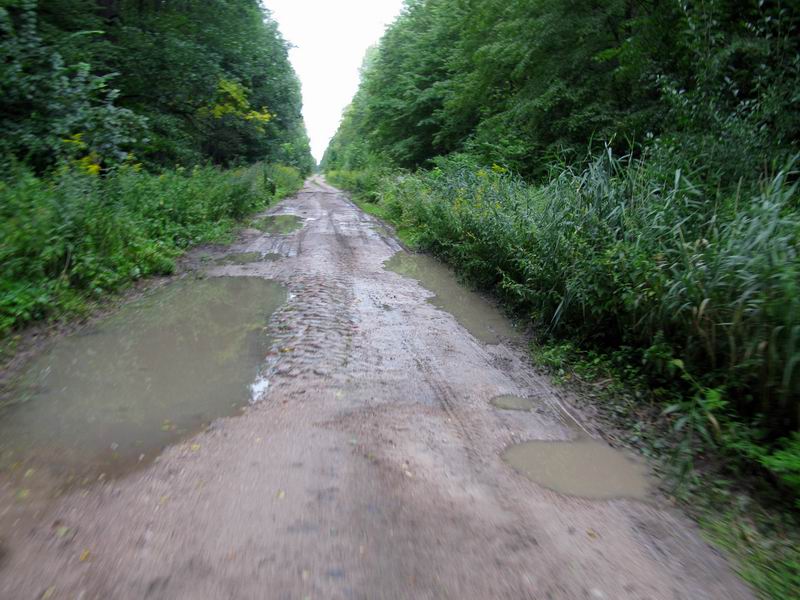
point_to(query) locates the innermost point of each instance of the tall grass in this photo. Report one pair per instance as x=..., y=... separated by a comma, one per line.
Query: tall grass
x=702, y=289
x=73, y=235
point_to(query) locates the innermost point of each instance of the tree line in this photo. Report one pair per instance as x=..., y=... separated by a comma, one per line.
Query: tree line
x=712, y=85
x=171, y=82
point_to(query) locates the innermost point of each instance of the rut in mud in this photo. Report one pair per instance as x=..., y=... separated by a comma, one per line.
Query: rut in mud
x=384, y=457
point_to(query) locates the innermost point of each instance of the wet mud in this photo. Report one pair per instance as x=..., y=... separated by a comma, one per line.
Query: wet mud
x=511, y=402
x=278, y=224
x=476, y=314
x=243, y=258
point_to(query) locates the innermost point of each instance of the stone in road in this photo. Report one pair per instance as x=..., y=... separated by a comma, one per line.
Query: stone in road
x=371, y=467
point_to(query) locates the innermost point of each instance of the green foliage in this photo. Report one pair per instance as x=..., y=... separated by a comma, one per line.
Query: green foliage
x=712, y=85
x=282, y=180
x=211, y=81
x=364, y=183
x=53, y=111
x=786, y=462
x=76, y=236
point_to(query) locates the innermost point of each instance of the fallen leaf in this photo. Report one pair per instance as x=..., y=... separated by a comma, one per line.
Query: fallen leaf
x=23, y=494
x=48, y=593
x=29, y=473
x=592, y=534
x=281, y=494
x=85, y=555
x=195, y=447
x=62, y=531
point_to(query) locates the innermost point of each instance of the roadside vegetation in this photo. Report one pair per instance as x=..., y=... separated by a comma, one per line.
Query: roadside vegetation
x=132, y=130
x=625, y=179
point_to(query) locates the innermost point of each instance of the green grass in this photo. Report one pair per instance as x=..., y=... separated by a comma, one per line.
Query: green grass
x=405, y=234
x=73, y=237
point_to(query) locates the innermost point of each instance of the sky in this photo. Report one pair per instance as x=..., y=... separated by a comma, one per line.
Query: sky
x=330, y=39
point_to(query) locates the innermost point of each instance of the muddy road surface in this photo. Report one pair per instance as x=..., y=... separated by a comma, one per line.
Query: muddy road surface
x=399, y=445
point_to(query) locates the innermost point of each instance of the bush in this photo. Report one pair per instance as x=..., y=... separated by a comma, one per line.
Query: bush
x=76, y=235
x=282, y=180
x=364, y=183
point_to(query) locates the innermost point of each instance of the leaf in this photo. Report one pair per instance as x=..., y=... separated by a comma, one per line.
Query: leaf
x=85, y=555
x=62, y=531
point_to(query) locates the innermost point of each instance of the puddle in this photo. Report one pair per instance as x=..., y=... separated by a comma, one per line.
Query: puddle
x=102, y=400
x=476, y=314
x=510, y=402
x=278, y=224
x=242, y=258
x=585, y=467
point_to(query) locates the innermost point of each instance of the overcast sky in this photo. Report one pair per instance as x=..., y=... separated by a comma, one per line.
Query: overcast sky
x=331, y=37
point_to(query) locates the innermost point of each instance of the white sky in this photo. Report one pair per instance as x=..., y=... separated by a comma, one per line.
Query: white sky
x=331, y=37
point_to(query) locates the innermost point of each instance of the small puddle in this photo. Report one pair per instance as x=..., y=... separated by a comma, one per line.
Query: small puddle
x=242, y=258
x=511, y=402
x=585, y=467
x=476, y=314
x=108, y=397
x=280, y=224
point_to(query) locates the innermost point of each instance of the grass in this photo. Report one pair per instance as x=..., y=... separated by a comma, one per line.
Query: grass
x=405, y=234
x=74, y=237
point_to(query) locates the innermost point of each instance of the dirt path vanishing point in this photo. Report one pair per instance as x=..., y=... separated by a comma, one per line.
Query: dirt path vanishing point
x=371, y=468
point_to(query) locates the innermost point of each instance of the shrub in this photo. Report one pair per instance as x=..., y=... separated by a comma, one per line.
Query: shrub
x=76, y=235
x=283, y=180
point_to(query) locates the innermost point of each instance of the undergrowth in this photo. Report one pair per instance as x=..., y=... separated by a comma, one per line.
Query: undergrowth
x=75, y=236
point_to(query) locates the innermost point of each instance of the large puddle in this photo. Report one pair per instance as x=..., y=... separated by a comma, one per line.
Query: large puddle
x=585, y=467
x=115, y=394
x=476, y=314
x=281, y=224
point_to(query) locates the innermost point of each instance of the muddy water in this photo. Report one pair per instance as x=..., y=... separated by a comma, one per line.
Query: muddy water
x=115, y=394
x=511, y=402
x=240, y=258
x=280, y=224
x=243, y=258
x=585, y=467
x=476, y=314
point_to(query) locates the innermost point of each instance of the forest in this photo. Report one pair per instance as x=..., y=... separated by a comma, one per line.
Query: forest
x=131, y=130
x=623, y=176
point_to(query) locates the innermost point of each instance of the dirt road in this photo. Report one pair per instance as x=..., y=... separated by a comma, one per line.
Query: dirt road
x=371, y=467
